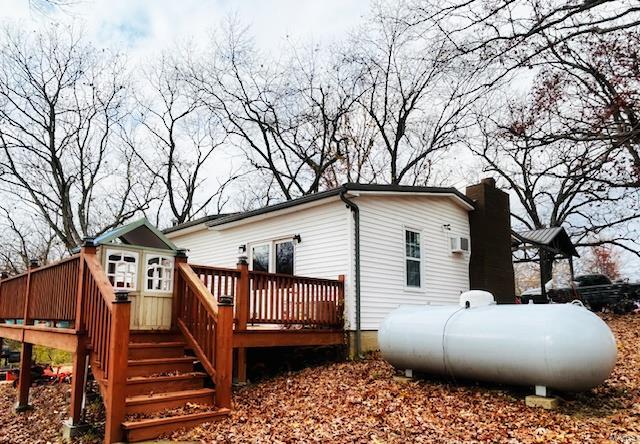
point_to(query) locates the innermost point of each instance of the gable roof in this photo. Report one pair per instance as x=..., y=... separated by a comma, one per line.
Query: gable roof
x=348, y=187
x=554, y=238
x=140, y=233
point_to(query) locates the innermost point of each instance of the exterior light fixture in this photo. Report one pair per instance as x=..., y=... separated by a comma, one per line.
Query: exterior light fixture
x=242, y=250
x=297, y=239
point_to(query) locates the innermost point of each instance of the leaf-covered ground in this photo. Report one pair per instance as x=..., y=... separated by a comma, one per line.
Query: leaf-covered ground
x=362, y=402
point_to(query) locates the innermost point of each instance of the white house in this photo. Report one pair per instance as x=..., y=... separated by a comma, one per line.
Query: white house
x=394, y=245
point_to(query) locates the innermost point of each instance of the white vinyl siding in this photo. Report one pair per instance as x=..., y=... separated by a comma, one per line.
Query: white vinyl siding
x=326, y=249
x=322, y=252
x=383, y=221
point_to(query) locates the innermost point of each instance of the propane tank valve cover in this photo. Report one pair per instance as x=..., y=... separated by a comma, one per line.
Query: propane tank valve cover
x=476, y=298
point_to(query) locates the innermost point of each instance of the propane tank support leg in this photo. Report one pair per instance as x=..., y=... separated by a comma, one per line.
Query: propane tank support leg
x=541, y=390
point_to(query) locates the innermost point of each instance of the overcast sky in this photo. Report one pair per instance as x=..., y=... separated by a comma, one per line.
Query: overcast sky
x=147, y=25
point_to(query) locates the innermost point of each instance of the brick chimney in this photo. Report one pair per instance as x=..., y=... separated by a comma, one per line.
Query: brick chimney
x=491, y=266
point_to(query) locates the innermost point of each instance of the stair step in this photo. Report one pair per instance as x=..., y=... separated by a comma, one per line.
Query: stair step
x=154, y=336
x=152, y=428
x=140, y=385
x=169, y=400
x=150, y=350
x=147, y=367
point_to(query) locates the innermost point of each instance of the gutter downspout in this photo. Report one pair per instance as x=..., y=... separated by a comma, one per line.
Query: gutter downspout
x=356, y=218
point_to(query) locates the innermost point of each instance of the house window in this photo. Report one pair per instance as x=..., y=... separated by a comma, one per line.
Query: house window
x=284, y=257
x=412, y=258
x=122, y=269
x=260, y=255
x=160, y=273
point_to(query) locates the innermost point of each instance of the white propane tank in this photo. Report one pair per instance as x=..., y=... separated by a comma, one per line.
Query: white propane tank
x=560, y=346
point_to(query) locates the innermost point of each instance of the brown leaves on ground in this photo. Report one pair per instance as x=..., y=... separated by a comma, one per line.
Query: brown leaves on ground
x=361, y=402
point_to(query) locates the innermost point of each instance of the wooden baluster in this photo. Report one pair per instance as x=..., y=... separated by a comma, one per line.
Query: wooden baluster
x=224, y=351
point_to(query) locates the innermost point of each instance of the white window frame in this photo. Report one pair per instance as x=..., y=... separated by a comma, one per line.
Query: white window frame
x=405, y=258
x=274, y=253
x=261, y=244
x=170, y=269
x=136, y=268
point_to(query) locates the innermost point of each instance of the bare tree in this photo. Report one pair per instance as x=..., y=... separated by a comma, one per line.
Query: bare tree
x=25, y=240
x=60, y=105
x=588, y=48
x=285, y=117
x=178, y=140
x=555, y=184
x=412, y=90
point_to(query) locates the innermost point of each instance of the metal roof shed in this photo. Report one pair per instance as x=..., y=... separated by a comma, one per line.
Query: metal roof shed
x=550, y=243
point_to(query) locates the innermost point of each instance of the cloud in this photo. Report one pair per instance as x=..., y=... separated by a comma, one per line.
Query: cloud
x=144, y=26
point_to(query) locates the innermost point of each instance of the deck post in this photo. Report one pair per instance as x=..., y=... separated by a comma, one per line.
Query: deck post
x=181, y=258
x=24, y=379
x=78, y=380
x=117, y=368
x=242, y=312
x=33, y=264
x=88, y=248
x=224, y=351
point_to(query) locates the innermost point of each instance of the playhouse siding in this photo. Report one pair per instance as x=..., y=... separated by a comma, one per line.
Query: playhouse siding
x=382, y=223
x=323, y=252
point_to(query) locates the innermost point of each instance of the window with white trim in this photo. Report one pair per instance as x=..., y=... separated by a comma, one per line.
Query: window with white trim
x=260, y=257
x=122, y=269
x=284, y=257
x=413, y=259
x=276, y=256
x=159, y=273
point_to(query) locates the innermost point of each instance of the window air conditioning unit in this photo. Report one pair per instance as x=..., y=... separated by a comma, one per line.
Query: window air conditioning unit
x=459, y=244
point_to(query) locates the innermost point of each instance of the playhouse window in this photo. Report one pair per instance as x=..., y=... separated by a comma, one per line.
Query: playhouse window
x=122, y=269
x=160, y=273
x=412, y=258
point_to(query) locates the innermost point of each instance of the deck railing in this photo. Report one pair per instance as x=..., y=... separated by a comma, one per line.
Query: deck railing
x=207, y=322
x=271, y=298
x=53, y=291
x=13, y=292
x=49, y=293
x=105, y=318
x=295, y=300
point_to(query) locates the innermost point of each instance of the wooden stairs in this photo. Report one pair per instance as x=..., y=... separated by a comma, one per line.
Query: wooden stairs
x=165, y=388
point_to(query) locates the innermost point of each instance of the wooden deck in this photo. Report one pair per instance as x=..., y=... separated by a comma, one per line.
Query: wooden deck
x=70, y=305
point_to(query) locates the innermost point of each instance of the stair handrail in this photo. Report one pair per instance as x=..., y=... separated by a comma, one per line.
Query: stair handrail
x=104, y=317
x=207, y=327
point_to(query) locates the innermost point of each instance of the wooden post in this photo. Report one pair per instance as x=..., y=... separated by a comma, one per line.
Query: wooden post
x=88, y=249
x=24, y=380
x=242, y=312
x=78, y=379
x=181, y=258
x=340, y=314
x=224, y=351
x=33, y=264
x=117, y=368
